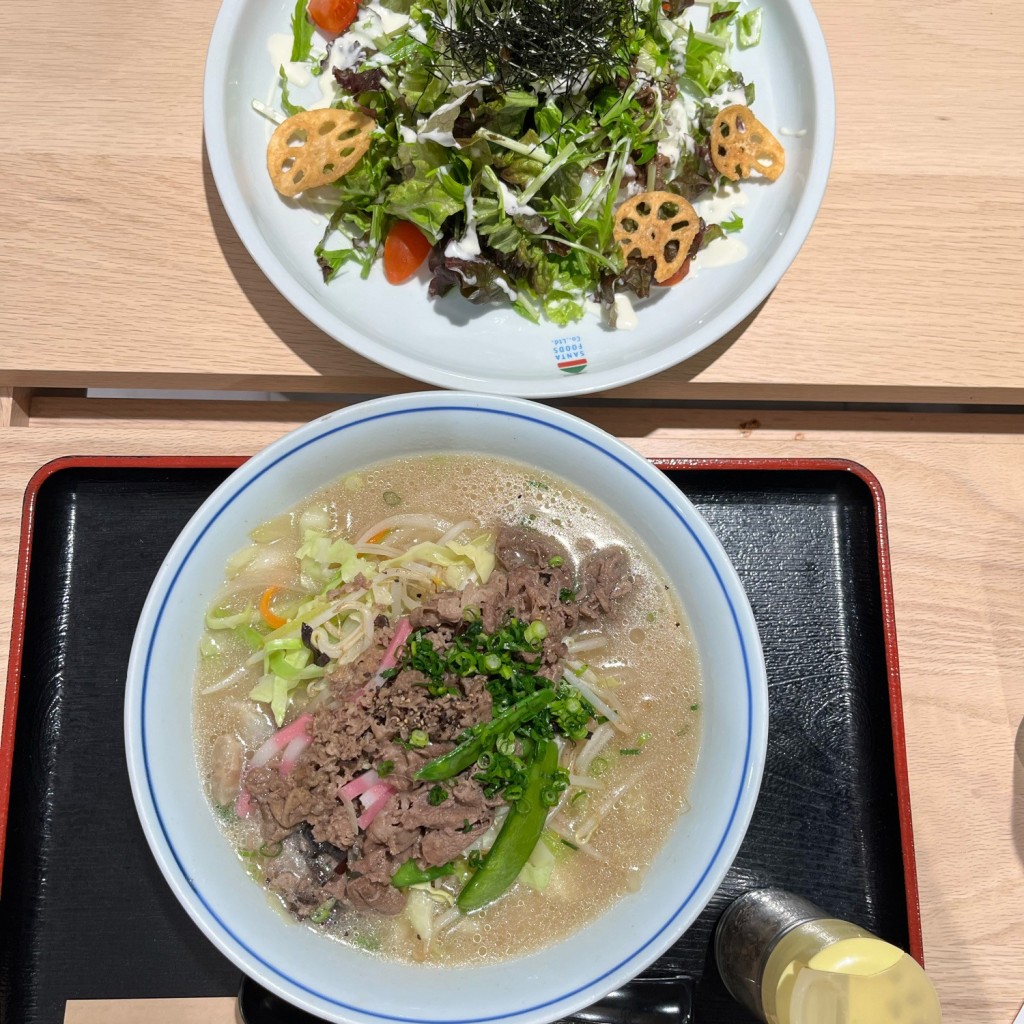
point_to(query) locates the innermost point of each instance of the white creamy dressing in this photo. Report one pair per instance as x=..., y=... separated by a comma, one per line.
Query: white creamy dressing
x=715, y=209
x=510, y=203
x=376, y=22
x=726, y=97
x=343, y=54
x=468, y=247
x=279, y=46
x=418, y=32
x=681, y=111
x=722, y=205
x=511, y=293
x=625, y=315
x=721, y=252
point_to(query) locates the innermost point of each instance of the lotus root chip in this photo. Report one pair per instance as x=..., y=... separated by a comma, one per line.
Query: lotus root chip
x=661, y=225
x=740, y=145
x=315, y=147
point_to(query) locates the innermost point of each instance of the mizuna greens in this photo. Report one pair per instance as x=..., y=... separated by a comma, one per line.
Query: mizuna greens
x=508, y=131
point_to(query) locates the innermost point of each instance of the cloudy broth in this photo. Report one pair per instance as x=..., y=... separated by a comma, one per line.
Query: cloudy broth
x=636, y=787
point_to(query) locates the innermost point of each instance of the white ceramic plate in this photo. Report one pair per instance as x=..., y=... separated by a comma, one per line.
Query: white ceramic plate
x=451, y=342
x=344, y=984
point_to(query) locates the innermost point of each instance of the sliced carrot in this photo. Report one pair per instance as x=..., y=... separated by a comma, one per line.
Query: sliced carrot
x=378, y=537
x=272, y=620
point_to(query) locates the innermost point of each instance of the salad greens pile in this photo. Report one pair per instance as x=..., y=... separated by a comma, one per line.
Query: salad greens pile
x=514, y=171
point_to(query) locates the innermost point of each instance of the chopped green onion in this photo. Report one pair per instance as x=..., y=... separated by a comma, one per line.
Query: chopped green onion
x=629, y=751
x=323, y=912
x=549, y=796
x=535, y=632
x=463, y=663
x=418, y=738
x=642, y=738
x=437, y=796
x=695, y=707
x=392, y=498
x=556, y=561
x=271, y=850
x=385, y=768
x=598, y=767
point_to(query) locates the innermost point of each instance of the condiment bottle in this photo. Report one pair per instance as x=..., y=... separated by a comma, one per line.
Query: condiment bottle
x=789, y=962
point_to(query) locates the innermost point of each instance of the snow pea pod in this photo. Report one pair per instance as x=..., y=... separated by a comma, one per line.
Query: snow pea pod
x=518, y=836
x=410, y=873
x=469, y=751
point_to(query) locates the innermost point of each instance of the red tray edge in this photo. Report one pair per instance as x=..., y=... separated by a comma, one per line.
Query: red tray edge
x=666, y=464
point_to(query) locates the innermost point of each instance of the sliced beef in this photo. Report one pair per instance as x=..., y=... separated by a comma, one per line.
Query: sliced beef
x=515, y=547
x=465, y=803
x=358, y=726
x=391, y=828
x=368, y=883
x=410, y=707
x=308, y=793
x=604, y=579
x=444, y=845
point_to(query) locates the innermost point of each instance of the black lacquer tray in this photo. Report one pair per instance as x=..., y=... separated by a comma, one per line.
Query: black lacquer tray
x=84, y=912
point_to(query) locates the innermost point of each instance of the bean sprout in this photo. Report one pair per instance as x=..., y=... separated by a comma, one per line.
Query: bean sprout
x=597, y=742
x=406, y=522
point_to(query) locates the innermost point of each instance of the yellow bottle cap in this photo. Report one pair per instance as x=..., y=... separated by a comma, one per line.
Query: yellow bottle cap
x=862, y=980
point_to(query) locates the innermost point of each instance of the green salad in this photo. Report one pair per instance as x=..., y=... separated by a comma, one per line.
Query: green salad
x=508, y=132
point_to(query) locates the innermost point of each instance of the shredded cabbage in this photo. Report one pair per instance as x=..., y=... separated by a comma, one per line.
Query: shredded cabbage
x=477, y=555
x=222, y=618
x=343, y=628
x=536, y=872
x=331, y=561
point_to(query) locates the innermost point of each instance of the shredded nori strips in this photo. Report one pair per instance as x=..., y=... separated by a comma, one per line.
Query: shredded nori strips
x=520, y=43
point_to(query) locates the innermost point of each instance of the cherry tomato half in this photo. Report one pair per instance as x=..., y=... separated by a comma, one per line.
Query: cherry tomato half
x=405, y=249
x=677, y=276
x=333, y=16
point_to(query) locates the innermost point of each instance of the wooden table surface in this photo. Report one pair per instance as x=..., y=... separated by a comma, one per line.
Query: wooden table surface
x=955, y=492
x=119, y=268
